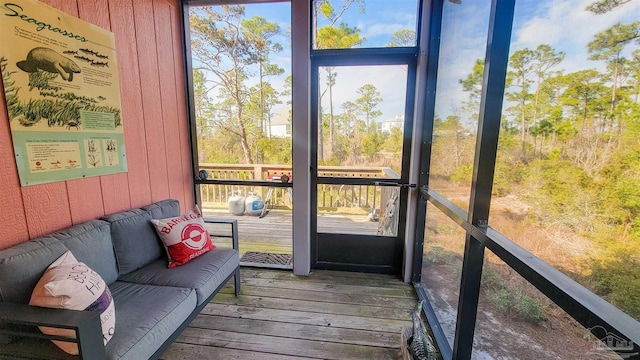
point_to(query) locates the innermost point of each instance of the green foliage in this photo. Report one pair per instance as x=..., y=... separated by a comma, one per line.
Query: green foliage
x=340, y=37
x=509, y=299
x=491, y=280
x=608, y=44
x=63, y=110
x=371, y=142
x=585, y=94
x=463, y=174
x=60, y=112
x=473, y=82
x=615, y=274
x=40, y=80
x=10, y=90
x=276, y=150
x=563, y=194
x=229, y=48
x=368, y=101
x=620, y=186
x=404, y=37
x=507, y=175
x=529, y=309
x=604, y=6
x=437, y=255
x=393, y=141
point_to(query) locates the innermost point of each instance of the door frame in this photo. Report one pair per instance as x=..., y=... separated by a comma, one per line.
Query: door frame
x=336, y=251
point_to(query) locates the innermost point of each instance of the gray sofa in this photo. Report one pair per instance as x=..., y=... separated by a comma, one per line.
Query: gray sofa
x=153, y=303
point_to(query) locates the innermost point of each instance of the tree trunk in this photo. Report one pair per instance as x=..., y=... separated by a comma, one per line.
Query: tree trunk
x=523, y=133
x=320, y=136
x=535, y=104
x=613, y=93
x=524, y=119
x=246, y=149
x=262, y=119
x=331, y=126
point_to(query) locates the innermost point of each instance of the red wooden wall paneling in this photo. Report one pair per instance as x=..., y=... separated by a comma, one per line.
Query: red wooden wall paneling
x=185, y=145
x=13, y=221
x=151, y=73
x=115, y=188
x=162, y=14
x=47, y=206
x=85, y=195
x=123, y=26
x=151, y=100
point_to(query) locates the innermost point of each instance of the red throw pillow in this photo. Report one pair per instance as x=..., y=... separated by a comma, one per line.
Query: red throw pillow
x=185, y=237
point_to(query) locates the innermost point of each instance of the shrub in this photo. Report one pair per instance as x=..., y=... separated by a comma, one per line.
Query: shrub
x=463, y=174
x=508, y=299
x=502, y=299
x=529, y=309
x=615, y=275
x=518, y=305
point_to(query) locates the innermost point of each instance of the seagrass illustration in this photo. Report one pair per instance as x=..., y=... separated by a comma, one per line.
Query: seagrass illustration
x=10, y=90
x=111, y=149
x=93, y=153
x=61, y=109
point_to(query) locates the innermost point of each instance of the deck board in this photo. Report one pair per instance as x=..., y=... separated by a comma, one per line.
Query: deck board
x=327, y=315
x=336, y=298
x=315, y=306
x=274, y=232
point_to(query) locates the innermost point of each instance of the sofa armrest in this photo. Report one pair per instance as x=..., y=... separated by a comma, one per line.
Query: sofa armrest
x=86, y=325
x=236, y=246
x=234, y=229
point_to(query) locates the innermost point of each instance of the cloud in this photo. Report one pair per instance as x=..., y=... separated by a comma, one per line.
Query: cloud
x=382, y=29
x=566, y=26
x=463, y=40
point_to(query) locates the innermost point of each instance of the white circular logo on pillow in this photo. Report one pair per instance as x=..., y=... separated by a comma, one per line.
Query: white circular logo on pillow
x=194, y=236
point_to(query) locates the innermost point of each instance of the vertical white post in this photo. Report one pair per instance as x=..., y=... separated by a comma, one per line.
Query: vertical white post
x=301, y=70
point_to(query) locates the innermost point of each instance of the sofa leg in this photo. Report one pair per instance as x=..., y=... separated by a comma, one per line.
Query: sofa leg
x=237, y=281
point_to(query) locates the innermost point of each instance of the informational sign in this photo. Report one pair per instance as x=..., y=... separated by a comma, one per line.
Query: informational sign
x=62, y=91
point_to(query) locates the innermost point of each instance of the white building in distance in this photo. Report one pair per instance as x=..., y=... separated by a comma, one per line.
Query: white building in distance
x=387, y=125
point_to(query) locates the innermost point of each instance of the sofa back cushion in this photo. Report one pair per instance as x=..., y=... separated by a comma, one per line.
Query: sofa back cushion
x=91, y=244
x=163, y=209
x=135, y=241
x=22, y=266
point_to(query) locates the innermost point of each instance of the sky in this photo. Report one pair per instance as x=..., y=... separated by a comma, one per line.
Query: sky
x=564, y=25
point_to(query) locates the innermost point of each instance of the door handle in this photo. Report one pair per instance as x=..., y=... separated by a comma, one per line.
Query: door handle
x=391, y=183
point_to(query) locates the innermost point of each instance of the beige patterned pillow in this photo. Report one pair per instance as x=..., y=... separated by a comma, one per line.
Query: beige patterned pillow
x=69, y=284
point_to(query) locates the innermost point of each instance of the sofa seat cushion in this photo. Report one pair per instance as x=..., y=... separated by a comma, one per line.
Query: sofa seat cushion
x=147, y=315
x=204, y=273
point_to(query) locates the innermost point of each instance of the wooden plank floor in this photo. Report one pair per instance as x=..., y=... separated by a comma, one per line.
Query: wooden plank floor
x=273, y=233
x=327, y=315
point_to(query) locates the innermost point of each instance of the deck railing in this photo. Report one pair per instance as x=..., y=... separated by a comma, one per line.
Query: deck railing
x=330, y=196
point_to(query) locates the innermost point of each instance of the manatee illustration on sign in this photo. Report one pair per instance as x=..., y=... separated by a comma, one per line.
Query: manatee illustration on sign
x=49, y=61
